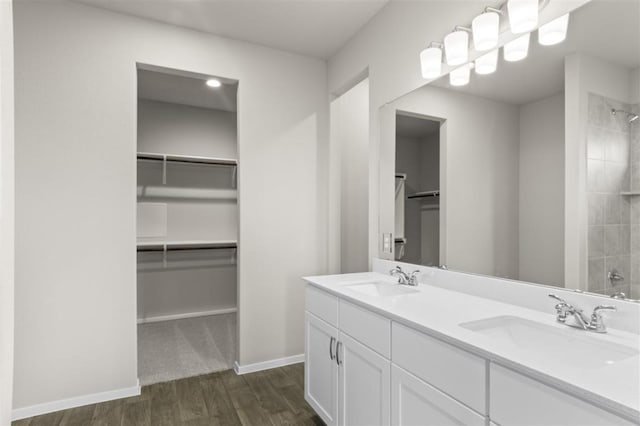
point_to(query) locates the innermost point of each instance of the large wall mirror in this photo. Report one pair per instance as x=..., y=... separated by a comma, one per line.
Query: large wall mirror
x=531, y=172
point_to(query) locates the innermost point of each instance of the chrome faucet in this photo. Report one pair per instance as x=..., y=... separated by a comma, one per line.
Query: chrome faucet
x=576, y=317
x=403, y=277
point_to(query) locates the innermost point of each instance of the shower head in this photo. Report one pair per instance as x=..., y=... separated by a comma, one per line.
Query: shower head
x=630, y=115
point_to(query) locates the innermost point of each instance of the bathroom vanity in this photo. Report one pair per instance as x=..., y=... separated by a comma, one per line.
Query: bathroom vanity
x=378, y=352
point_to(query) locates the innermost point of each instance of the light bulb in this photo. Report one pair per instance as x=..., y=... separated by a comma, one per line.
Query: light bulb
x=460, y=76
x=523, y=15
x=554, y=32
x=517, y=49
x=431, y=62
x=485, y=31
x=456, y=47
x=487, y=63
x=212, y=82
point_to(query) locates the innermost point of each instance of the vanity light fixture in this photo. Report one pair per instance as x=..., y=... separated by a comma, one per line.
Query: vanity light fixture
x=486, y=29
x=523, y=15
x=517, y=49
x=487, y=63
x=431, y=61
x=554, y=32
x=456, y=46
x=212, y=82
x=460, y=76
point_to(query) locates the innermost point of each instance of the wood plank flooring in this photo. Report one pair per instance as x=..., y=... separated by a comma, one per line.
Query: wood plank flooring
x=272, y=397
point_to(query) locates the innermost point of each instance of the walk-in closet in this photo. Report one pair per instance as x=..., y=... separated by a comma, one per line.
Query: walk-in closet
x=187, y=224
x=417, y=180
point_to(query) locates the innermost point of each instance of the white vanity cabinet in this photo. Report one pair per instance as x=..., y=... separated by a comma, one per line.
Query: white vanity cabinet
x=347, y=382
x=363, y=368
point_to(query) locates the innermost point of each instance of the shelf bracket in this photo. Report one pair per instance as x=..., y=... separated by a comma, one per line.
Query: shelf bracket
x=164, y=169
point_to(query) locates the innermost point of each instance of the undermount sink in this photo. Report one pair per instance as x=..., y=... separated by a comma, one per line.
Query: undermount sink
x=576, y=347
x=381, y=288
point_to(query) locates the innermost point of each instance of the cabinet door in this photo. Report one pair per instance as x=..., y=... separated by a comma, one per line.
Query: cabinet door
x=416, y=403
x=364, y=384
x=320, y=370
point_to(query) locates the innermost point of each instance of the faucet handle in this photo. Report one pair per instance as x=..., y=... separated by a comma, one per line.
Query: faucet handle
x=558, y=298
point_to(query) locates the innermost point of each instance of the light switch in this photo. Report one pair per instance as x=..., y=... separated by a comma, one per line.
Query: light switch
x=386, y=243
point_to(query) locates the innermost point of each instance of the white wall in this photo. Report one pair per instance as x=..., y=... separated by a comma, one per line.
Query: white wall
x=350, y=139
x=478, y=177
x=75, y=195
x=200, y=204
x=541, y=229
x=584, y=75
x=6, y=211
x=389, y=47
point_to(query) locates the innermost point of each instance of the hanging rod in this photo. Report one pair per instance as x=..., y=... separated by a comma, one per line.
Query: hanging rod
x=153, y=246
x=402, y=176
x=153, y=156
x=424, y=194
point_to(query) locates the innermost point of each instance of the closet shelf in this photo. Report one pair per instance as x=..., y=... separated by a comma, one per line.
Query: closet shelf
x=154, y=156
x=402, y=176
x=424, y=194
x=185, y=245
x=630, y=193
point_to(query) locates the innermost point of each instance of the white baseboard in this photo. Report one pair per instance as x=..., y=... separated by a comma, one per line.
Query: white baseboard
x=161, y=318
x=79, y=401
x=267, y=365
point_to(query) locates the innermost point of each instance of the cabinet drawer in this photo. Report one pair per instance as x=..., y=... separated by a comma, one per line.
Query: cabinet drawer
x=449, y=369
x=414, y=402
x=519, y=400
x=322, y=304
x=367, y=327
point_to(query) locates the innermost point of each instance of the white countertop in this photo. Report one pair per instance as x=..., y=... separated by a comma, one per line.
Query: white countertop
x=438, y=312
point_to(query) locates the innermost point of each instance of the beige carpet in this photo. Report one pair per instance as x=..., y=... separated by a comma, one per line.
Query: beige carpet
x=172, y=350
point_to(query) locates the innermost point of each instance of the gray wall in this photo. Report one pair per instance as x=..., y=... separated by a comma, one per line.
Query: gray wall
x=6, y=211
x=541, y=178
x=75, y=191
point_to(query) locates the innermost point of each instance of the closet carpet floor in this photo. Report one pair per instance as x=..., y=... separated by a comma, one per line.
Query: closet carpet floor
x=271, y=397
x=171, y=350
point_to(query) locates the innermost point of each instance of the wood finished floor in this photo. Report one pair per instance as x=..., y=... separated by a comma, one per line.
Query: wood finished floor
x=272, y=397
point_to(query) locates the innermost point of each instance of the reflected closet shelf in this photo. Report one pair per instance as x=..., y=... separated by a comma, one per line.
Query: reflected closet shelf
x=424, y=194
x=630, y=193
x=154, y=156
x=155, y=245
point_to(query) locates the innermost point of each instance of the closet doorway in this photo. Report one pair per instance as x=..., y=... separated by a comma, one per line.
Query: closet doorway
x=417, y=190
x=187, y=224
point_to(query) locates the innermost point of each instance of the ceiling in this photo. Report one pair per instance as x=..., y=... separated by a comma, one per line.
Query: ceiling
x=186, y=90
x=415, y=127
x=310, y=27
x=606, y=29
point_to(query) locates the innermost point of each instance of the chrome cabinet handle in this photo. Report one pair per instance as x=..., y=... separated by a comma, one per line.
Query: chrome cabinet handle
x=331, y=347
x=338, y=344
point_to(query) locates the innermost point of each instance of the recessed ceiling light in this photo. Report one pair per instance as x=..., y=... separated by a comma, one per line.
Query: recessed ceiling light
x=212, y=82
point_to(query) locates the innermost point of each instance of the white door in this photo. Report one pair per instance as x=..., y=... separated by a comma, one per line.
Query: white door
x=414, y=402
x=321, y=369
x=364, y=384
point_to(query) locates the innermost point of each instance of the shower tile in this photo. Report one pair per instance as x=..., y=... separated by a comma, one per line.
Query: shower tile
x=596, y=209
x=625, y=239
x=635, y=210
x=625, y=210
x=596, y=241
x=596, y=137
x=595, y=176
x=612, y=209
x=596, y=274
x=616, y=147
x=616, y=177
x=612, y=244
x=635, y=239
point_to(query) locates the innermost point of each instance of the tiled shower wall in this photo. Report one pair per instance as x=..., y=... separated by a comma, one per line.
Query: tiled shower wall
x=635, y=205
x=613, y=169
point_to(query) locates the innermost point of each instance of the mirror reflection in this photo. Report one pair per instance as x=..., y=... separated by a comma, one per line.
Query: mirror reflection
x=531, y=172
